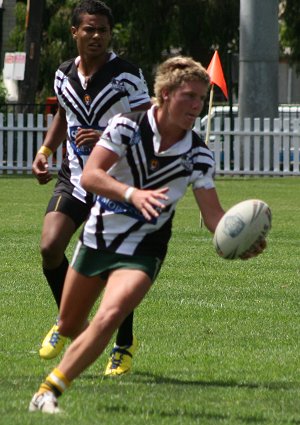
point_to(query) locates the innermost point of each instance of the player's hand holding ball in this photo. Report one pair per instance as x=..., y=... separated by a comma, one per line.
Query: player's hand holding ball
x=255, y=250
x=241, y=232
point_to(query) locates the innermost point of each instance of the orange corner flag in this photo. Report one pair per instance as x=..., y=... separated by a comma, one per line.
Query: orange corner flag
x=215, y=72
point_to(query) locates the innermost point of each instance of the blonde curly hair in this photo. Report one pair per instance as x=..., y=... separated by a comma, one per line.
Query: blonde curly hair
x=176, y=70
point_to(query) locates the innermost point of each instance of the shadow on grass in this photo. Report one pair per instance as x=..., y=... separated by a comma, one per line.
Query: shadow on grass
x=196, y=412
x=148, y=378
x=191, y=413
x=158, y=379
x=175, y=413
x=162, y=410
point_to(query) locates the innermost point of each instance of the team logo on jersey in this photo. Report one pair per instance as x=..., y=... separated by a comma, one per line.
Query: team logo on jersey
x=187, y=162
x=118, y=85
x=154, y=164
x=87, y=99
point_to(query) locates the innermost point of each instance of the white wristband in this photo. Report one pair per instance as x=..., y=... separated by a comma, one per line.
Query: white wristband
x=128, y=192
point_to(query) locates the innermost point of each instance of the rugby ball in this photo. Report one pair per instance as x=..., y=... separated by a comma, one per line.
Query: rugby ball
x=243, y=225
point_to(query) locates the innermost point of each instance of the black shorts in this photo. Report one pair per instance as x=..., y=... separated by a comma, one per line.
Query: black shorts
x=78, y=211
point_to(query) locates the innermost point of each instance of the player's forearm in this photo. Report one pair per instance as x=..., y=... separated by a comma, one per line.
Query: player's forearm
x=99, y=182
x=211, y=221
x=210, y=207
x=56, y=133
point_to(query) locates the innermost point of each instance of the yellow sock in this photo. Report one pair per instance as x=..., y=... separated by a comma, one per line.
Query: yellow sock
x=55, y=382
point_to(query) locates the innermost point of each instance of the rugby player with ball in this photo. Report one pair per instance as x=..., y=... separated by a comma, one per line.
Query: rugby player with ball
x=139, y=170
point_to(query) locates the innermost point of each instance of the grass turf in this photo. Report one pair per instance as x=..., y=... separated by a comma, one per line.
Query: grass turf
x=219, y=340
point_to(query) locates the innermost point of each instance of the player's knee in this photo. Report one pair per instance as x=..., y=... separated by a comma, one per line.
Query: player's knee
x=110, y=319
x=51, y=250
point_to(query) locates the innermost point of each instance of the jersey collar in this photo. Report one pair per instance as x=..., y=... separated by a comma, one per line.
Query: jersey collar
x=180, y=147
x=112, y=56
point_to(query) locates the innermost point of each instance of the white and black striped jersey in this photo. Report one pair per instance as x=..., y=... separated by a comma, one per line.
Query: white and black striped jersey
x=118, y=226
x=117, y=87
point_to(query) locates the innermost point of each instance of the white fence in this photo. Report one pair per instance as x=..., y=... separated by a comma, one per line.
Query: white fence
x=20, y=138
x=256, y=148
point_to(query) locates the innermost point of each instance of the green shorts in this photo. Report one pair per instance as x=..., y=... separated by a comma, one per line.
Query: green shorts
x=93, y=262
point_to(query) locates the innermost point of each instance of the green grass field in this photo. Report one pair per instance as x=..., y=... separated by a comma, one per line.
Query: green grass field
x=219, y=339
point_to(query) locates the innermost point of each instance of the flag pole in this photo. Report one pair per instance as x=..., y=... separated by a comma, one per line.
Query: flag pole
x=208, y=126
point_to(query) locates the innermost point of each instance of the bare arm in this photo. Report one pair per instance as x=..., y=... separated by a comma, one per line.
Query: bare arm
x=95, y=179
x=57, y=131
x=54, y=137
x=210, y=207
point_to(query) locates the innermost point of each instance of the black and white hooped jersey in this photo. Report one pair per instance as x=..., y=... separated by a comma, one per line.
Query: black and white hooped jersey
x=118, y=226
x=116, y=88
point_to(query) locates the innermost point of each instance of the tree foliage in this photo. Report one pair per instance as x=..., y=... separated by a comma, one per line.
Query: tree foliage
x=3, y=91
x=57, y=45
x=290, y=30
x=17, y=35
x=146, y=32
x=158, y=28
